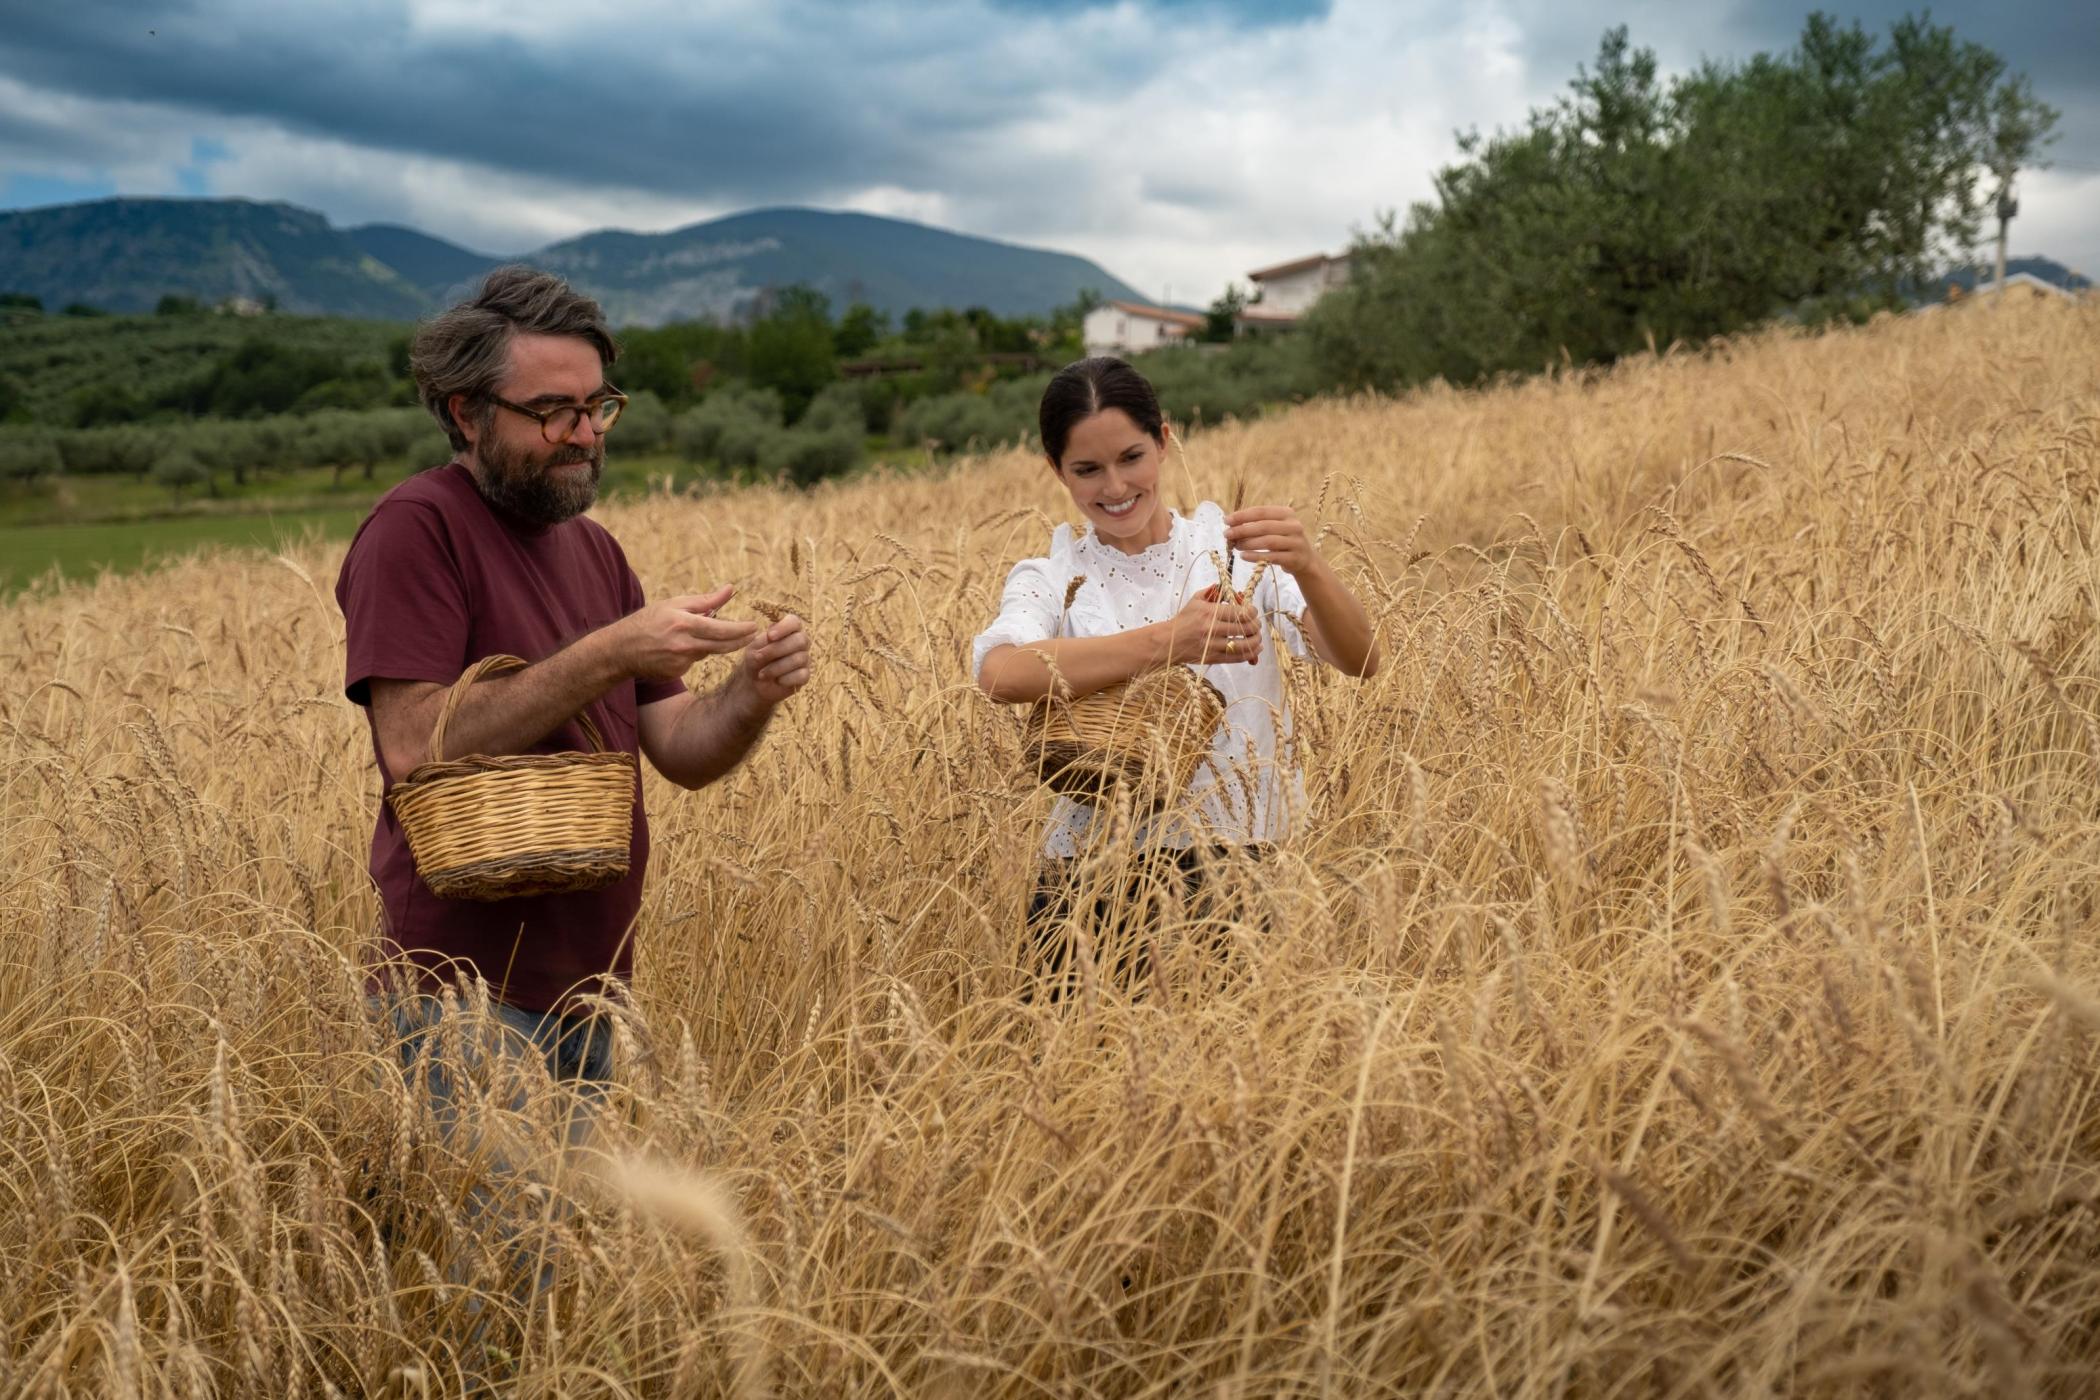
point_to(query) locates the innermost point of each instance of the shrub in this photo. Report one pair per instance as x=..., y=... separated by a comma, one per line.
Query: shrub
x=806, y=456
x=362, y=385
x=25, y=456
x=743, y=440
x=1210, y=386
x=229, y=447
x=108, y=452
x=837, y=409
x=728, y=426
x=178, y=468
x=960, y=422
x=263, y=375
x=645, y=425
x=98, y=405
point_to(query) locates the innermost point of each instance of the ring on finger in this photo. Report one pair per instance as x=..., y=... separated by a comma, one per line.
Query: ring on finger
x=1232, y=646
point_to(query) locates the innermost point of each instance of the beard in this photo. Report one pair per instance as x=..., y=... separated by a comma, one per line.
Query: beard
x=524, y=486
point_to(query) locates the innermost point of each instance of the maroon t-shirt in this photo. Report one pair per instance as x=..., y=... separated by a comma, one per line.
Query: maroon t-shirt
x=434, y=581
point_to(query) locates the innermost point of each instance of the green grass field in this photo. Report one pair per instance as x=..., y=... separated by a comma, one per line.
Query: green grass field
x=81, y=526
x=30, y=552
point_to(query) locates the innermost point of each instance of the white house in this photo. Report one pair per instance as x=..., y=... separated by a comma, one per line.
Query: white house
x=1130, y=327
x=1287, y=291
x=2019, y=287
x=2023, y=286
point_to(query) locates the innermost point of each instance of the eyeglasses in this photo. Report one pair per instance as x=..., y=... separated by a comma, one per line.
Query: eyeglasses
x=559, y=424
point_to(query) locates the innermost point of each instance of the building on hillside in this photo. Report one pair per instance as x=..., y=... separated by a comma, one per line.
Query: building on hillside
x=2022, y=286
x=1287, y=291
x=2019, y=287
x=1130, y=327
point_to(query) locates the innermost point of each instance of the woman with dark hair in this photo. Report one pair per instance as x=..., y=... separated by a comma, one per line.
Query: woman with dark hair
x=1139, y=589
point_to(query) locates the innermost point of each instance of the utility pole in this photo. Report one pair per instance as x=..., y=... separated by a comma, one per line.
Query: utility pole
x=2020, y=126
x=2008, y=205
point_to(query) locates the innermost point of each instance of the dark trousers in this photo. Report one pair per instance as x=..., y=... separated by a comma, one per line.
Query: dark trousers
x=1122, y=915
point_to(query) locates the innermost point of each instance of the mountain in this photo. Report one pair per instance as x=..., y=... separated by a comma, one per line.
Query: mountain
x=717, y=270
x=125, y=254
x=432, y=264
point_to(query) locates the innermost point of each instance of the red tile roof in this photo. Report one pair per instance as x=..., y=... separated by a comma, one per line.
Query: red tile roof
x=1158, y=313
x=1286, y=269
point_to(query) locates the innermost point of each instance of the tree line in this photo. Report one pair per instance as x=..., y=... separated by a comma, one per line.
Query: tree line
x=1833, y=180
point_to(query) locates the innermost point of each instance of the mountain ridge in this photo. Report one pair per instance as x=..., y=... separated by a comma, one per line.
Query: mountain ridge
x=216, y=250
x=123, y=254
x=433, y=264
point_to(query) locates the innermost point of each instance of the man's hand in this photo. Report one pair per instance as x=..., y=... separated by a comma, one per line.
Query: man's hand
x=1274, y=533
x=664, y=639
x=695, y=739
x=776, y=665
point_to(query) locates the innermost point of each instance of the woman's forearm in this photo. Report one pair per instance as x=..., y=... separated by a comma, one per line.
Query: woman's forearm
x=1071, y=666
x=1341, y=629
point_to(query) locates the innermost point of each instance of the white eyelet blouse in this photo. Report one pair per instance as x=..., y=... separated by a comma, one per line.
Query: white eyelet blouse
x=1253, y=786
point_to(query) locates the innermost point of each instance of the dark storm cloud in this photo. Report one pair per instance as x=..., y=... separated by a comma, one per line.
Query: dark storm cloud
x=805, y=100
x=768, y=106
x=1243, y=12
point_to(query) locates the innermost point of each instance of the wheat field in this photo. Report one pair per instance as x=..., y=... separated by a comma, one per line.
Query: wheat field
x=1686, y=983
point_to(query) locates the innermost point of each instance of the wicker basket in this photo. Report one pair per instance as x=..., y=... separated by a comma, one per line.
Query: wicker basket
x=498, y=827
x=1150, y=734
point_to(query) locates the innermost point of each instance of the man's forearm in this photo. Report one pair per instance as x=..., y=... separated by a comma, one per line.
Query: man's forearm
x=717, y=730
x=509, y=714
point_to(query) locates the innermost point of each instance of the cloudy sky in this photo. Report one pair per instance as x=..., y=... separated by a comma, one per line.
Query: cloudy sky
x=1177, y=142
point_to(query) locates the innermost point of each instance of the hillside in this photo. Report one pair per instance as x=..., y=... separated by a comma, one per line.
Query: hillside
x=123, y=255
x=51, y=361
x=716, y=270
x=433, y=265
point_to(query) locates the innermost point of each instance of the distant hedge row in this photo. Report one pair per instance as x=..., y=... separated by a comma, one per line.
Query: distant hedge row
x=65, y=372
x=1196, y=385
x=339, y=439
x=736, y=430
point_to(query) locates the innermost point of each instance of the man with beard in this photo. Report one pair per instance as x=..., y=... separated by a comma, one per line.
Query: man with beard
x=491, y=554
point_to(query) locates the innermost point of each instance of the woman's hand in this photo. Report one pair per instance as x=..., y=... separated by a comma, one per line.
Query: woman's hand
x=1207, y=632
x=1274, y=534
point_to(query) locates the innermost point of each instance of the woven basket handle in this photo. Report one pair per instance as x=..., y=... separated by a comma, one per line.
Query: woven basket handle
x=497, y=665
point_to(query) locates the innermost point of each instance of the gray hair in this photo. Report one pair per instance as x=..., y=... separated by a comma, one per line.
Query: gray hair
x=466, y=349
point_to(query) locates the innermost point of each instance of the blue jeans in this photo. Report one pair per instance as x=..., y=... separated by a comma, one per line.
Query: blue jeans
x=576, y=1048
